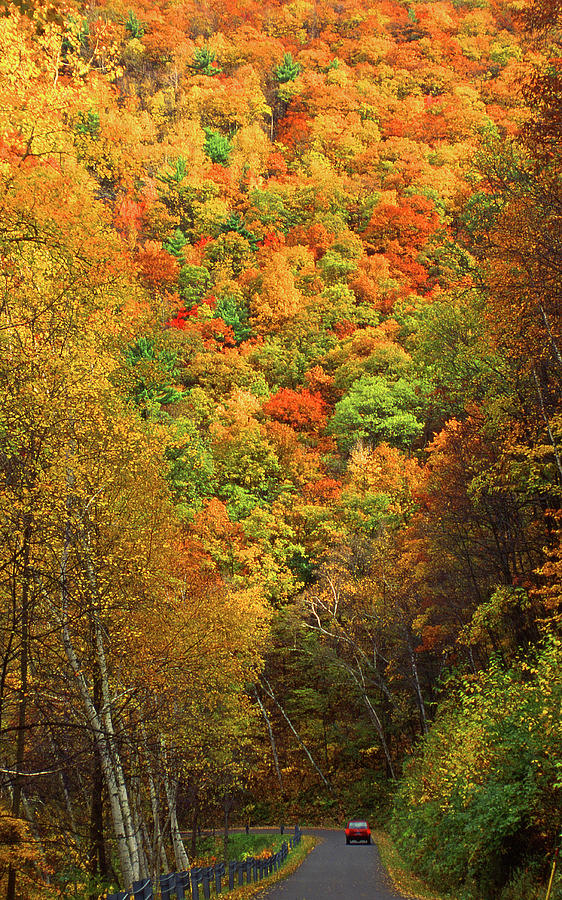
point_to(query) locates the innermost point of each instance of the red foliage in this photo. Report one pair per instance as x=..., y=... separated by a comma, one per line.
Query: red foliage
x=220, y=174
x=323, y=490
x=345, y=328
x=320, y=383
x=273, y=240
x=316, y=237
x=302, y=410
x=276, y=164
x=216, y=334
x=129, y=216
x=293, y=129
x=410, y=222
x=179, y=321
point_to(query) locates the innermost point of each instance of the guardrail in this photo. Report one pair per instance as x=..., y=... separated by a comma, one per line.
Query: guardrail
x=185, y=885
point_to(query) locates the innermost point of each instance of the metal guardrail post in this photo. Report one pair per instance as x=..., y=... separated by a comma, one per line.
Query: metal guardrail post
x=142, y=890
x=206, y=882
x=195, y=876
x=167, y=885
x=120, y=895
x=219, y=874
x=182, y=885
x=231, y=874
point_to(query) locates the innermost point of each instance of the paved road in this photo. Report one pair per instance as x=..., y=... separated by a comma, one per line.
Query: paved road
x=335, y=870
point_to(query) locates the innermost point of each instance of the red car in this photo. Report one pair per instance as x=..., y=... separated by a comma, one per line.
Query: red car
x=357, y=831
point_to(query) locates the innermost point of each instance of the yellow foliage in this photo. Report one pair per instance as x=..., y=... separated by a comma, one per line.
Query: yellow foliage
x=278, y=299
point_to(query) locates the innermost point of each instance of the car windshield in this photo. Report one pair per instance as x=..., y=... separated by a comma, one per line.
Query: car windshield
x=357, y=824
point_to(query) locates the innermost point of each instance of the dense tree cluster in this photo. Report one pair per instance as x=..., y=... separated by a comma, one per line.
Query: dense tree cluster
x=280, y=430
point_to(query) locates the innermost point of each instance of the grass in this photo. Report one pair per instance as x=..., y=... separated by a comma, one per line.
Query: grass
x=403, y=880
x=240, y=846
x=295, y=858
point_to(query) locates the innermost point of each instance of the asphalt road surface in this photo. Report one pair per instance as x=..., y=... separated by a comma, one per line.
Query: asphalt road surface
x=336, y=870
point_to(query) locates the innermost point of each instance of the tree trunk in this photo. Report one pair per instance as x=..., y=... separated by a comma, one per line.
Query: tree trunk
x=98, y=861
x=227, y=805
x=171, y=787
x=100, y=737
x=271, y=738
x=118, y=776
x=416, y=680
x=23, y=692
x=373, y=715
x=194, y=823
x=159, y=857
x=270, y=693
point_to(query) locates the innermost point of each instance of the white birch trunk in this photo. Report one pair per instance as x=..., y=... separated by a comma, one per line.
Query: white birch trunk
x=95, y=724
x=119, y=775
x=171, y=788
x=100, y=736
x=159, y=856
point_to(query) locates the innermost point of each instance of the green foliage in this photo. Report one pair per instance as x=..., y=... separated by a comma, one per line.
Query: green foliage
x=204, y=62
x=284, y=358
x=248, y=461
x=288, y=69
x=236, y=223
x=194, y=283
x=231, y=253
x=154, y=373
x=217, y=146
x=486, y=780
x=335, y=267
x=376, y=410
x=74, y=883
x=176, y=244
x=179, y=171
x=191, y=468
x=133, y=26
x=284, y=212
x=233, y=312
x=88, y=123
x=240, y=845
x=446, y=339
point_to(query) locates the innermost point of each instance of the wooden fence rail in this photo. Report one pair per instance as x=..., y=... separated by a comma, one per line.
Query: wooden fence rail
x=186, y=885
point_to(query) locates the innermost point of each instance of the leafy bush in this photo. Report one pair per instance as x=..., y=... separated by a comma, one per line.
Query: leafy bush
x=377, y=410
x=194, y=282
x=480, y=797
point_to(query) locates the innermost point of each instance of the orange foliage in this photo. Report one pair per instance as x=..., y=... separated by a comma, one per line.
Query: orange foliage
x=156, y=265
x=302, y=410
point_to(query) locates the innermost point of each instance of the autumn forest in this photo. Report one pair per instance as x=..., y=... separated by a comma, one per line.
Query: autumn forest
x=280, y=433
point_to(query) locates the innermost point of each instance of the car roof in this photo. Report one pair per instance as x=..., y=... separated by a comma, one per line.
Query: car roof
x=359, y=823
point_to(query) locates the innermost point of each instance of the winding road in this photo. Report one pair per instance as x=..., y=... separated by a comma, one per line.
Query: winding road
x=335, y=870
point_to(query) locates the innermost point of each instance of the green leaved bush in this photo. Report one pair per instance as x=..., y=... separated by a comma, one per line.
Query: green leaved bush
x=191, y=472
x=231, y=309
x=152, y=375
x=376, y=410
x=194, y=283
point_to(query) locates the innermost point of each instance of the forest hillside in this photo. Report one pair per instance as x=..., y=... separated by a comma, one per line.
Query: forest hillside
x=280, y=433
